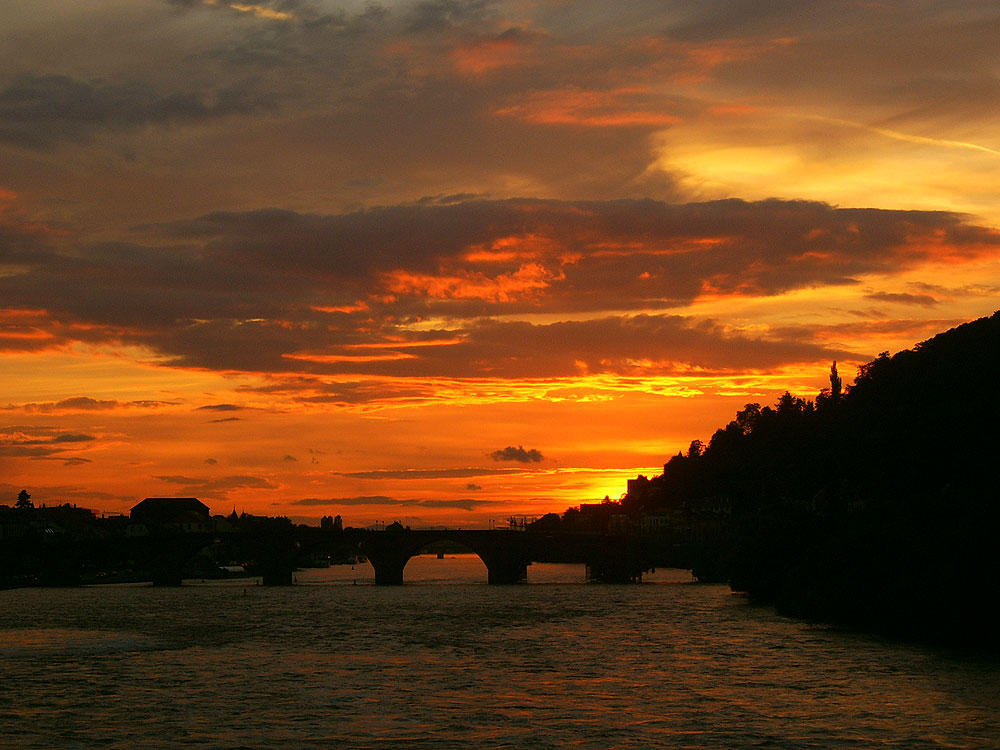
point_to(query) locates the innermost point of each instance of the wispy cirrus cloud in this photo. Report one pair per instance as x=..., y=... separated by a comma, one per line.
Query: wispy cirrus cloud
x=218, y=488
x=44, y=443
x=428, y=473
x=391, y=502
x=87, y=404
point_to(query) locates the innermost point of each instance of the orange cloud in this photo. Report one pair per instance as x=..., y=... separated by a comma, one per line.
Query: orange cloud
x=939, y=245
x=276, y=291
x=22, y=329
x=356, y=307
x=514, y=246
x=529, y=278
x=485, y=55
x=16, y=229
x=621, y=107
x=691, y=63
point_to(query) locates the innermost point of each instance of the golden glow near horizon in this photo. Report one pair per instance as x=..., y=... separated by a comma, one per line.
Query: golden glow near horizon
x=448, y=265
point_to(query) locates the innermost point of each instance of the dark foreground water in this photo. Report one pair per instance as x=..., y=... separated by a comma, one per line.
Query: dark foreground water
x=449, y=662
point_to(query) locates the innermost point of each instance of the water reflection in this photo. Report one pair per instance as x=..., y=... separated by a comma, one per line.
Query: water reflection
x=449, y=661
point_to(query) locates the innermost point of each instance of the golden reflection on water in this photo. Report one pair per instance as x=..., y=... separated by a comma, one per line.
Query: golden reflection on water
x=448, y=661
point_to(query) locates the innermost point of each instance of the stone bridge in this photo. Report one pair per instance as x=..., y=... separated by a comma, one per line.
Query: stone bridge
x=275, y=550
x=612, y=558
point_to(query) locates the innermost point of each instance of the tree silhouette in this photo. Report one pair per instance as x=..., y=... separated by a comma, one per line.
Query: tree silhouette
x=862, y=508
x=836, y=385
x=24, y=501
x=695, y=449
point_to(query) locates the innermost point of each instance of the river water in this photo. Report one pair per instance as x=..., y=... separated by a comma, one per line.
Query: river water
x=449, y=662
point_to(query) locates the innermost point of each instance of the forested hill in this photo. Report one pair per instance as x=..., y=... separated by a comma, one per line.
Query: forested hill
x=876, y=505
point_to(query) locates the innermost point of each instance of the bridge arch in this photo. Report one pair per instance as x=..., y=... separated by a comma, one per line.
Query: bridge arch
x=389, y=551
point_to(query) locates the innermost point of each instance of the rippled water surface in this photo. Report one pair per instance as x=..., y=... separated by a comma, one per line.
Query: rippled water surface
x=447, y=661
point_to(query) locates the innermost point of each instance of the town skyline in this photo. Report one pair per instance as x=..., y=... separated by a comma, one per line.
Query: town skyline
x=448, y=262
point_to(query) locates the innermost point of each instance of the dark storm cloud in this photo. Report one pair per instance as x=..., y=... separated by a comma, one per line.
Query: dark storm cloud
x=519, y=454
x=278, y=291
x=39, y=111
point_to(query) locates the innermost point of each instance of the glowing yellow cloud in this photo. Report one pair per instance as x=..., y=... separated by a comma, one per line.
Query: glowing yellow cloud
x=907, y=137
x=257, y=10
x=771, y=153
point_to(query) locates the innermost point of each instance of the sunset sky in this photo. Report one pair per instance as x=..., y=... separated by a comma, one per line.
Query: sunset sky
x=446, y=261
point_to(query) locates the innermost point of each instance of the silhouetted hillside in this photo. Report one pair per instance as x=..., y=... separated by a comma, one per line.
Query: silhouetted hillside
x=876, y=507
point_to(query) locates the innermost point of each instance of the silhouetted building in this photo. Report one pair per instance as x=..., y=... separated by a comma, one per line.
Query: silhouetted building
x=66, y=519
x=606, y=516
x=179, y=513
x=663, y=521
x=13, y=523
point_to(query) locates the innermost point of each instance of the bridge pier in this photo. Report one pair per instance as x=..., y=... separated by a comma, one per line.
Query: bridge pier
x=388, y=563
x=504, y=566
x=508, y=573
x=277, y=576
x=615, y=560
x=272, y=550
x=166, y=554
x=167, y=577
x=604, y=571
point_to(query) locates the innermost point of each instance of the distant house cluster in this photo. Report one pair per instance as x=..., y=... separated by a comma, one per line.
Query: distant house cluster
x=46, y=520
x=185, y=514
